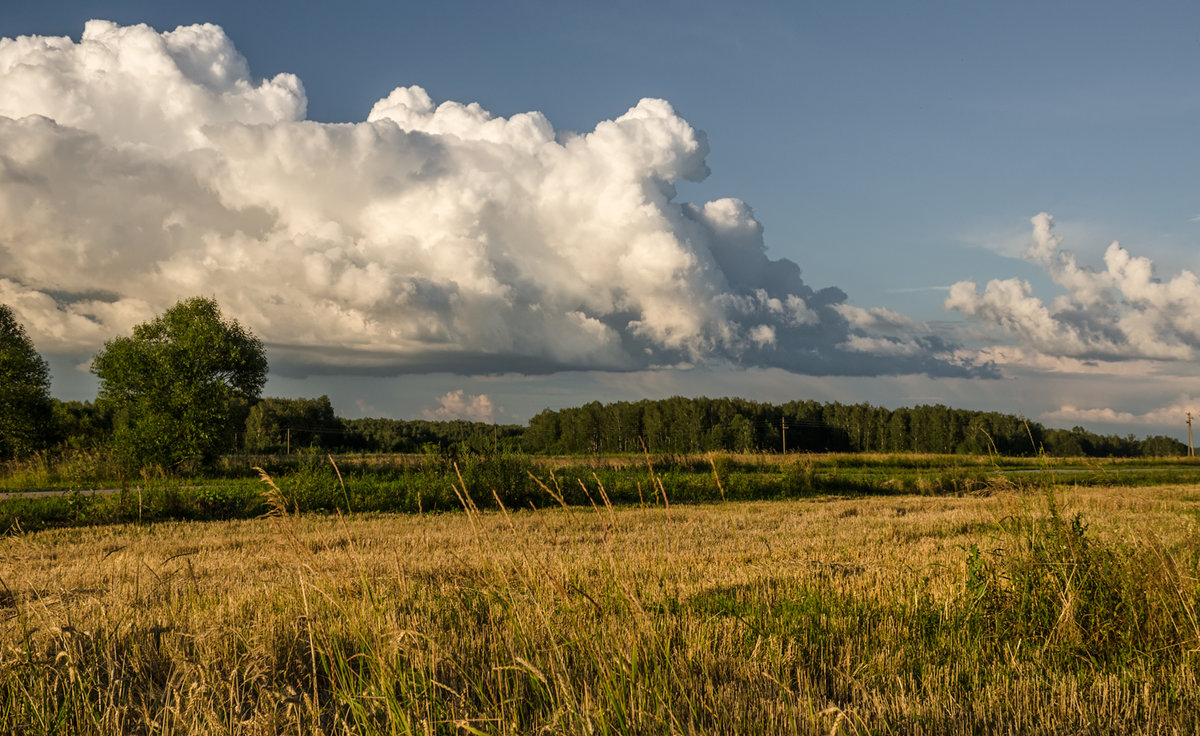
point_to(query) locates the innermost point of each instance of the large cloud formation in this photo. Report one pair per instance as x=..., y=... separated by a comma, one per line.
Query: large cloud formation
x=1123, y=312
x=138, y=168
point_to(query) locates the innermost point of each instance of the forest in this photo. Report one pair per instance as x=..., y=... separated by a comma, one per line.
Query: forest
x=675, y=425
x=685, y=425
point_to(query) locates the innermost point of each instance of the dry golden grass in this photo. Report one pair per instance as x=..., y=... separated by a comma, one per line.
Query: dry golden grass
x=813, y=616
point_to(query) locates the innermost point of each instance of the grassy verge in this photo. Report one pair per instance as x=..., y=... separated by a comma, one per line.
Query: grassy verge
x=413, y=484
x=1007, y=613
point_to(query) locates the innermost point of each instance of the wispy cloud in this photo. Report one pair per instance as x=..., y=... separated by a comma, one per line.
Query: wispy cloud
x=1173, y=414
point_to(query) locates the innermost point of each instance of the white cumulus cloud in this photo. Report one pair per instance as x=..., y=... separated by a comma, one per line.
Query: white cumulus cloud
x=1119, y=313
x=134, y=85
x=140, y=167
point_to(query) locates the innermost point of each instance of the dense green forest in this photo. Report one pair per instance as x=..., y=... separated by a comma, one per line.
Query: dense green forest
x=685, y=425
x=281, y=426
x=675, y=425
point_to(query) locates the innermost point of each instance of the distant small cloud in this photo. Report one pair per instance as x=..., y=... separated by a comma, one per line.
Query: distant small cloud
x=881, y=319
x=883, y=346
x=1173, y=414
x=1033, y=360
x=461, y=405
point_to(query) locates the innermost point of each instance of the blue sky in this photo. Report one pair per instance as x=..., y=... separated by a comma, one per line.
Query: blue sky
x=890, y=150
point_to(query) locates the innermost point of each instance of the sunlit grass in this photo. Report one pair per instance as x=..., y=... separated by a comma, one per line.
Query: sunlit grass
x=904, y=614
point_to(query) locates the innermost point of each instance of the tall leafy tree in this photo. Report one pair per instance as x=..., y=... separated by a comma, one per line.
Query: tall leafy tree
x=26, y=417
x=181, y=385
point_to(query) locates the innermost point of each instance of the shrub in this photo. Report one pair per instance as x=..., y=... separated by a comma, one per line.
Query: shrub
x=1101, y=601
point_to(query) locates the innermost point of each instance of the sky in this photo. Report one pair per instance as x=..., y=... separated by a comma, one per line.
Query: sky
x=481, y=209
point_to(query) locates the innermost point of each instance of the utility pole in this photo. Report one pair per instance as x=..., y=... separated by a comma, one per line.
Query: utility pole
x=783, y=432
x=289, y=440
x=1191, y=449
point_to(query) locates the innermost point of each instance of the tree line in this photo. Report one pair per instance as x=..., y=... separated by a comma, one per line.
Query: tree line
x=688, y=425
x=278, y=425
x=185, y=388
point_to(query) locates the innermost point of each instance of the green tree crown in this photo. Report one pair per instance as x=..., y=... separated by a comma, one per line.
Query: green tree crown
x=180, y=386
x=26, y=413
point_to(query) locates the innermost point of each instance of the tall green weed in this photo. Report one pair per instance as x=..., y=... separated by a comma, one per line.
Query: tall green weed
x=1052, y=582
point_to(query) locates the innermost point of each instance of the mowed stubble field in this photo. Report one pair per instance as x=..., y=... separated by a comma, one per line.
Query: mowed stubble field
x=898, y=614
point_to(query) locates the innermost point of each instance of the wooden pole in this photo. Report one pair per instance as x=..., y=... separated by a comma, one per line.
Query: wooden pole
x=1191, y=449
x=783, y=432
x=289, y=440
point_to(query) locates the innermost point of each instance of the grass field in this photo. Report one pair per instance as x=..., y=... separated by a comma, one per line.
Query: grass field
x=998, y=611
